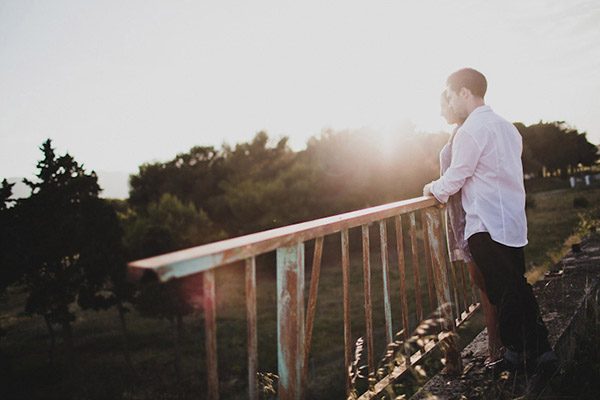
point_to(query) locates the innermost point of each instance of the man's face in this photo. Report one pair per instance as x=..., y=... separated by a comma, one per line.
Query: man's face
x=457, y=103
x=447, y=112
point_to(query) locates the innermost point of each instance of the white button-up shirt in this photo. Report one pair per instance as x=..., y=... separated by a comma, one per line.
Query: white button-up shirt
x=486, y=165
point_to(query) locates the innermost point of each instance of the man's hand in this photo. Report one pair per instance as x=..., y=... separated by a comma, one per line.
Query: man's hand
x=427, y=190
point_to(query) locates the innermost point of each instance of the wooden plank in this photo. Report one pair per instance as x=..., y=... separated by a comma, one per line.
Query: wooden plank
x=387, y=306
x=440, y=275
x=399, y=370
x=439, y=259
x=312, y=303
x=415, y=266
x=210, y=329
x=201, y=258
x=346, y=294
x=430, y=290
x=367, y=292
x=402, y=273
x=454, y=286
x=463, y=284
x=251, y=328
x=475, y=293
x=469, y=313
x=290, y=321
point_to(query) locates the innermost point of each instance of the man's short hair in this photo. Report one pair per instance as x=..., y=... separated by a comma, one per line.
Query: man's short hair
x=468, y=78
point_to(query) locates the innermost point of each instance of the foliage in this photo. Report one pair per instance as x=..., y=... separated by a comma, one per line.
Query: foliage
x=191, y=177
x=555, y=146
x=265, y=187
x=262, y=184
x=257, y=185
x=163, y=226
x=166, y=225
x=580, y=202
x=7, y=238
x=398, y=353
x=5, y=195
x=66, y=242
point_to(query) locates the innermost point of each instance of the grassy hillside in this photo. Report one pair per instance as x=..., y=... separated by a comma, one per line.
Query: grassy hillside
x=99, y=370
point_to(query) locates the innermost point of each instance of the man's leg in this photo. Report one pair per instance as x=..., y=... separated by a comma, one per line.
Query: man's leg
x=520, y=325
x=535, y=333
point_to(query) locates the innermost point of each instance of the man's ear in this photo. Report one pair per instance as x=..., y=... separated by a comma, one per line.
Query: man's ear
x=464, y=93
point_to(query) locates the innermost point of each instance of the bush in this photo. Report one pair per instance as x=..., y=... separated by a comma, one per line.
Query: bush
x=580, y=202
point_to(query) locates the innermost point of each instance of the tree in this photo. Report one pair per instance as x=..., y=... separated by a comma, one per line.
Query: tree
x=8, y=275
x=264, y=186
x=354, y=170
x=167, y=225
x=5, y=195
x=8, y=242
x=191, y=177
x=70, y=243
x=104, y=281
x=557, y=147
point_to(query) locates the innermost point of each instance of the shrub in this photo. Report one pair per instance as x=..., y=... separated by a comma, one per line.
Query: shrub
x=580, y=202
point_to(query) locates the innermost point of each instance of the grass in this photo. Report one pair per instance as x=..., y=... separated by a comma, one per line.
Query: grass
x=552, y=225
x=100, y=372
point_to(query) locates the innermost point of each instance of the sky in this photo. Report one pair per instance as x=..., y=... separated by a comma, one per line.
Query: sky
x=121, y=83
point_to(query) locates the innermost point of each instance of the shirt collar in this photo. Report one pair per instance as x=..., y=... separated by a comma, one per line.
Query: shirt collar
x=480, y=109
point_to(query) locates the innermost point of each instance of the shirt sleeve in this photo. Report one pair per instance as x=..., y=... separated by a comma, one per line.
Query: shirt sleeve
x=465, y=155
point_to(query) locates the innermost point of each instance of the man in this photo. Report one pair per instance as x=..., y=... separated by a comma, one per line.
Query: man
x=486, y=165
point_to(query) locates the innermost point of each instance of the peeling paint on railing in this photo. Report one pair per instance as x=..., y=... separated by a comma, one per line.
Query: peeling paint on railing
x=294, y=329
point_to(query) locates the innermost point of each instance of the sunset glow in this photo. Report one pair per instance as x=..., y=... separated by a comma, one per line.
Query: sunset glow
x=122, y=83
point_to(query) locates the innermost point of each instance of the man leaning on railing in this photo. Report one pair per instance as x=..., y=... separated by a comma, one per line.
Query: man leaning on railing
x=486, y=166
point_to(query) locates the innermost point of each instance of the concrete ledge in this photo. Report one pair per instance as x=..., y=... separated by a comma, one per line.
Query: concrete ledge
x=567, y=296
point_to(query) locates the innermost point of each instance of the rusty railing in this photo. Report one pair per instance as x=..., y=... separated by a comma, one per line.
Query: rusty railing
x=424, y=219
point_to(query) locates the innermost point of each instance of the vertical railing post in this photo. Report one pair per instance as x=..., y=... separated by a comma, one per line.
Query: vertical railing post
x=210, y=328
x=251, y=328
x=415, y=266
x=385, y=269
x=290, y=321
x=366, y=252
x=402, y=273
x=312, y=304
x=442, y=283
x=346, y=295
x=428, y=262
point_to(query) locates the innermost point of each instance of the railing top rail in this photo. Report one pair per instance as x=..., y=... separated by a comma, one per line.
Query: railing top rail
x=190, y=261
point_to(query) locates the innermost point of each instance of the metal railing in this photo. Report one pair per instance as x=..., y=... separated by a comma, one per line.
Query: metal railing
x=295, y=322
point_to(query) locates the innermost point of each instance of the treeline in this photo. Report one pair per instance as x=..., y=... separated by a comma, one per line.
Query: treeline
x=66, y=246
x=555, y=148
x=260, y=185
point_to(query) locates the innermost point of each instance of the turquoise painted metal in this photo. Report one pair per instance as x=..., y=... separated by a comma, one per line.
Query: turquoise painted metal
x=290, y=321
